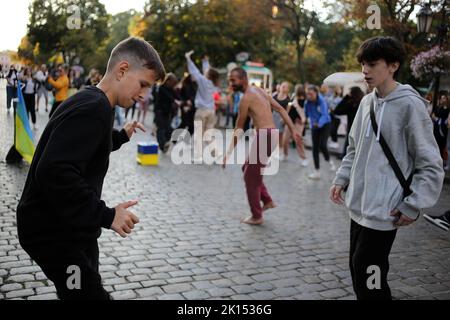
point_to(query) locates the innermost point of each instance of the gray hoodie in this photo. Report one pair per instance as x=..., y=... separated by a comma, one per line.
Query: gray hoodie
x=373, y=189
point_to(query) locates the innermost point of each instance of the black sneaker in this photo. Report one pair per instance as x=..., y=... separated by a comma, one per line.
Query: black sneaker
x=440, y=222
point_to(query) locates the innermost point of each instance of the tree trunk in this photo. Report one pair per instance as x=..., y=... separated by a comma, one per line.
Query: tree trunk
x=300, y=72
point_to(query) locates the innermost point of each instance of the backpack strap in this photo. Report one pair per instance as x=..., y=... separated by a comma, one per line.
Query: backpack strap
x=405, y=183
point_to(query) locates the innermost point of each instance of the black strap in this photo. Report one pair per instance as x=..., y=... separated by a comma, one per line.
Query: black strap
x=388, y=153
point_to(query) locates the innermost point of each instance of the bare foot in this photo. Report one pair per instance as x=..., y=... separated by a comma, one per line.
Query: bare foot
x=270, y=205
x=252, y=221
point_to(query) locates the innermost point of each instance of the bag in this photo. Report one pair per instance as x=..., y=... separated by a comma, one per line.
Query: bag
x=405, y=183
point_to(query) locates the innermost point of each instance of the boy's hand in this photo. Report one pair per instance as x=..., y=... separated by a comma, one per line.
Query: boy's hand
x=124, y=220
x=336, y=194
x=130, y=128
x=401, y=220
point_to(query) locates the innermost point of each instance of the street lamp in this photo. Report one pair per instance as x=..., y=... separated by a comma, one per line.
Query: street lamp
x=275, y=10
x=424, y=21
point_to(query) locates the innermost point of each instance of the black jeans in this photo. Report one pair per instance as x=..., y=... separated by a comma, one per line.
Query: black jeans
x=319, y=140
x=30, y=105
x=56, y=261
x=187, y=120
x=164, y=129
x=11, y=93
x=369, y=247
x=335, y=123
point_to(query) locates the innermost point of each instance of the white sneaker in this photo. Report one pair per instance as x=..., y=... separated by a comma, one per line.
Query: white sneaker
x=35, y=127
x=315, y=175
x=304, y=162
x=332, y=166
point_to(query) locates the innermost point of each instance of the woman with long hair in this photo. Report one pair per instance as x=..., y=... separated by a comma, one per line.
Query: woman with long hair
x=282, y=97
x=297, y=114
x=29, y=95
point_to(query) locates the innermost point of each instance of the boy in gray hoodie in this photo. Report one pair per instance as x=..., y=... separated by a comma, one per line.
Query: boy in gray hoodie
x=374, y=196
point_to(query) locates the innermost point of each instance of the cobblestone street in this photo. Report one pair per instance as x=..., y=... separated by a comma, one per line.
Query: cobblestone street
x=190, y=243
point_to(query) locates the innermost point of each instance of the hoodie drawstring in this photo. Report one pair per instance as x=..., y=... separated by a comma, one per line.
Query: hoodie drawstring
x=380, y=120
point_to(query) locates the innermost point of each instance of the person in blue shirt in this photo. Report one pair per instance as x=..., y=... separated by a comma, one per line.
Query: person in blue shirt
x=316, y=110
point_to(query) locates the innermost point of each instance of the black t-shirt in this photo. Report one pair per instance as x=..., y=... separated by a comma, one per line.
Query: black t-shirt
x=293, y=113
x=165, y=103
x=61, y=200
x=284, y=103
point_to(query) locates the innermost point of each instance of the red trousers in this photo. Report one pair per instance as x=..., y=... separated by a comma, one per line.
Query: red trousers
x=262, y=147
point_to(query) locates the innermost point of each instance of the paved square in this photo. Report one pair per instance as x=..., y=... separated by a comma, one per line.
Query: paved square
x=190, y=244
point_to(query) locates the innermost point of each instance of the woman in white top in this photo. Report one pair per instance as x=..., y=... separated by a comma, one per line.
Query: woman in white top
x=29, y=95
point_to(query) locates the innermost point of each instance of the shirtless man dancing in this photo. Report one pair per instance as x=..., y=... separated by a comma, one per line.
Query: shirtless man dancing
x=257, y=104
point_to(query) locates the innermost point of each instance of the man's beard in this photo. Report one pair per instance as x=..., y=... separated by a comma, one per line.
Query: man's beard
x=238, y=88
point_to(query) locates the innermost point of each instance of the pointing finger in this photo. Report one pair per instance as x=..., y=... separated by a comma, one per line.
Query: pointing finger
x=128, y=204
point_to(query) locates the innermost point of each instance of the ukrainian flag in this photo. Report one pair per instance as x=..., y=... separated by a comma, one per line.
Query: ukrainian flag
x=24, y=136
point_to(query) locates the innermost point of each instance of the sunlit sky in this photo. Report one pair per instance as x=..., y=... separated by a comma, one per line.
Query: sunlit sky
x=13, y=23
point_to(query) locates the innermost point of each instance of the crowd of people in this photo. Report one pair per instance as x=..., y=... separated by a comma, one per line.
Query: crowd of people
x=54, y=85
x=177, y=104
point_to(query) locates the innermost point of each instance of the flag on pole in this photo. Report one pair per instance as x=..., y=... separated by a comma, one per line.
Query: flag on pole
x=24, y=136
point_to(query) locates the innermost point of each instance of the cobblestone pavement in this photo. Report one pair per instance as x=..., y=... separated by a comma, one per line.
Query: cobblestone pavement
x=190, y=244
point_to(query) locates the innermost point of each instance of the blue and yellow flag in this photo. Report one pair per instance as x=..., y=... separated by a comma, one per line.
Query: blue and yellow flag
x=24, y=136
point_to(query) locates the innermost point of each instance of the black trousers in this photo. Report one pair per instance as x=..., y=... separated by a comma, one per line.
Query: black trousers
x=319, y=140
x=164, y=129
x=30, y=104
x=54, y=107
x=368, y=248
x=335, y=123
x=187, y=120
x=57, y=262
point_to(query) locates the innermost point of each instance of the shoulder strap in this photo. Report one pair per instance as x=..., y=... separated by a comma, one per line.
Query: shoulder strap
x=388, y=153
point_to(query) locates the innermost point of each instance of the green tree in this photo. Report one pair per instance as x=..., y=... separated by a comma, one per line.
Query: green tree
x=334, y=39
x=217, y=28
x=298, y=23
x=50, y=28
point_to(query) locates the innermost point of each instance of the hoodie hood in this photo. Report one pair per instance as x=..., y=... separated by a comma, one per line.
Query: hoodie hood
x=401, y=92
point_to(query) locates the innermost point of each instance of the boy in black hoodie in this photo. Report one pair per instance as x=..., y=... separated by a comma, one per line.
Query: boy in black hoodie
x=60, y=214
